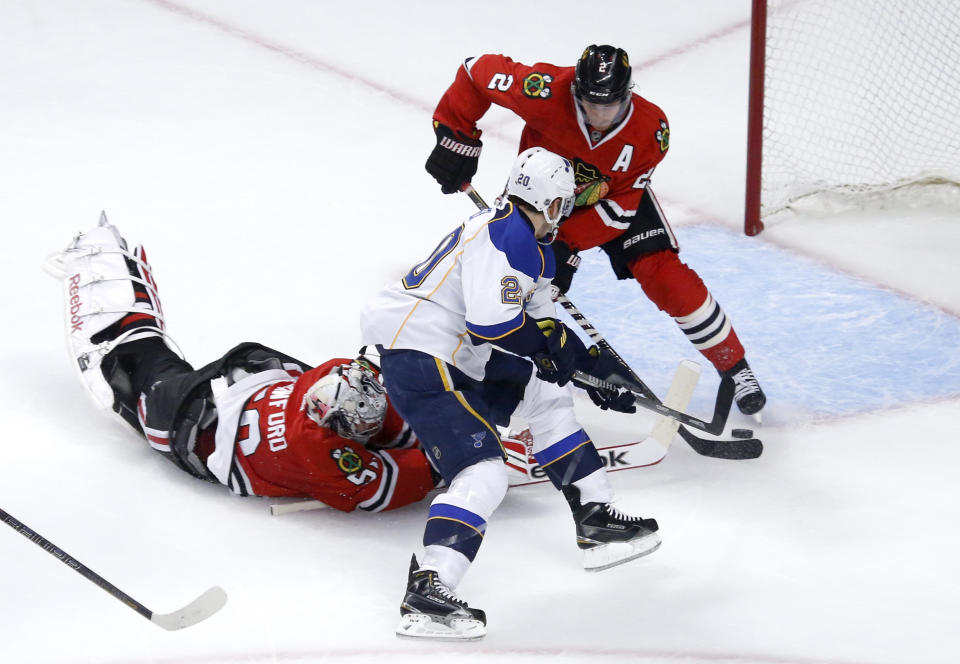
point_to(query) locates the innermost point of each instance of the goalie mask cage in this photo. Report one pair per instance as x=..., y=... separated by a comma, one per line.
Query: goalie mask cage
x=850, y=97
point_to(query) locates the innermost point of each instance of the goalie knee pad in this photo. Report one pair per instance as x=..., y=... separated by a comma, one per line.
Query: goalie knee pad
x=110, y=298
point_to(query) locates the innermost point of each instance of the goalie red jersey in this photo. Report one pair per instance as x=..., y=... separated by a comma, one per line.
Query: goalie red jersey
x=279, y=451
x=612, y=169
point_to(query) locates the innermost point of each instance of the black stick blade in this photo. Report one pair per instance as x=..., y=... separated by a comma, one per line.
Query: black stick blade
x=751, y=448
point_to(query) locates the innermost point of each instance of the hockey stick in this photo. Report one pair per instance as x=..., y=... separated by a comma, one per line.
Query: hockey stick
x=199, y=609
x=721, y=449
x=306, y=505
x=714, y=426
x=475, y=196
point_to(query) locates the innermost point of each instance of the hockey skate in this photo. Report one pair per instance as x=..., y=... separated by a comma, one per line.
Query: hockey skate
x=110, y=299
x=607, y=536
x=747, y=393
x=431, y=611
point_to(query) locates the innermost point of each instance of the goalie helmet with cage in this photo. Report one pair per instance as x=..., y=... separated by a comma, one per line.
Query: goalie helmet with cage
x=539, y=177
x=350, y=400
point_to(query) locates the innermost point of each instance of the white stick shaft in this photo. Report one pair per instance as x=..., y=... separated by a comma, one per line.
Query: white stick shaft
x=678, y=397
x=300, y=506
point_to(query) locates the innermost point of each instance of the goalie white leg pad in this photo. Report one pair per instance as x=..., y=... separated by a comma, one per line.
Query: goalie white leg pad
x=422, y=626
x=98, y=292
x=610, y=555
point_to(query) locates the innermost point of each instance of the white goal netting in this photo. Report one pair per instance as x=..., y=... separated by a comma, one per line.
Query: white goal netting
x=861, y=96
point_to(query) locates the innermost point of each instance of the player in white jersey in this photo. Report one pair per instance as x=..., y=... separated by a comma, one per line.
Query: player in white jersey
x=442, y=331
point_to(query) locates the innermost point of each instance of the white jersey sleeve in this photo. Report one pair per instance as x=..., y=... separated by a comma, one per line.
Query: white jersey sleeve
x=476, y=285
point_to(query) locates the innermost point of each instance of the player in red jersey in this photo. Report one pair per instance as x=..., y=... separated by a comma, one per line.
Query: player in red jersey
x=256, y=420
x=615, y=139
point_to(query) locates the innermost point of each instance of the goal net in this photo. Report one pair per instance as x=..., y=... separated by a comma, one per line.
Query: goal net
x=851, y=97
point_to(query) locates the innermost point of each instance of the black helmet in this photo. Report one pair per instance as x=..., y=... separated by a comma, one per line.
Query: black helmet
x=603, y=75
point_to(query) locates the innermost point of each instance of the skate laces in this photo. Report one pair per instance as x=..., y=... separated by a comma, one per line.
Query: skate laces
x=745, y=383
x=438, y=587
x=617, y=514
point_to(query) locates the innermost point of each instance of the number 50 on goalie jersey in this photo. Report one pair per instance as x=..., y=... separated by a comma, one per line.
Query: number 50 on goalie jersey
x=479, y=283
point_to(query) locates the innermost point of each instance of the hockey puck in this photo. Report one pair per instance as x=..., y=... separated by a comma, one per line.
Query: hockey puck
x=742, y=433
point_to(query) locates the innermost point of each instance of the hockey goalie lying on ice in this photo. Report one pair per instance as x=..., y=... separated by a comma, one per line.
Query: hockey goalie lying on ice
x=256, y=420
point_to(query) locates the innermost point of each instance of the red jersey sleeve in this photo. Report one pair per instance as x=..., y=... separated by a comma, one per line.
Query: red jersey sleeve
x=496, y=79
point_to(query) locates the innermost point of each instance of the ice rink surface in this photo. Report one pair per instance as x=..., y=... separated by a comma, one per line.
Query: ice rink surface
x=270, y=157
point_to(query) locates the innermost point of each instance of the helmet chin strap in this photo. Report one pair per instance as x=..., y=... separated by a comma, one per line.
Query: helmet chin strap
x=547, y=239
x=565, y=207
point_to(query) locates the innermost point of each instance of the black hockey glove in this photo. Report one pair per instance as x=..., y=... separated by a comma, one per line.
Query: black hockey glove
x=564, y=355
x=567, y=261
x=454, y=160
x=606, y=365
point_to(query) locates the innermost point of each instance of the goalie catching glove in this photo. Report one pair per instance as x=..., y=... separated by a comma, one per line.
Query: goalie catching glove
x=453, y=162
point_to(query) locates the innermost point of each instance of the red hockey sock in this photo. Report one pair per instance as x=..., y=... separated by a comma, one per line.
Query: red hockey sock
x=678, y=291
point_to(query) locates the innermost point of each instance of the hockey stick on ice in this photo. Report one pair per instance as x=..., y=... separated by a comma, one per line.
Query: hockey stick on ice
x=714, y=426
x=276, y=509
x=721, y=449
x=199, y=609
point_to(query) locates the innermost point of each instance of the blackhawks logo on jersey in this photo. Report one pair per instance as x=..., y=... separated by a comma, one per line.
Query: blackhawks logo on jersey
x=663, y=136
x=347, y=460
x=536, y=85
x=351, y=464
x=590, y=184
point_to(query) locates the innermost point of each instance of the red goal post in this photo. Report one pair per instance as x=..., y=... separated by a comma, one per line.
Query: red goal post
x=850, y=97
